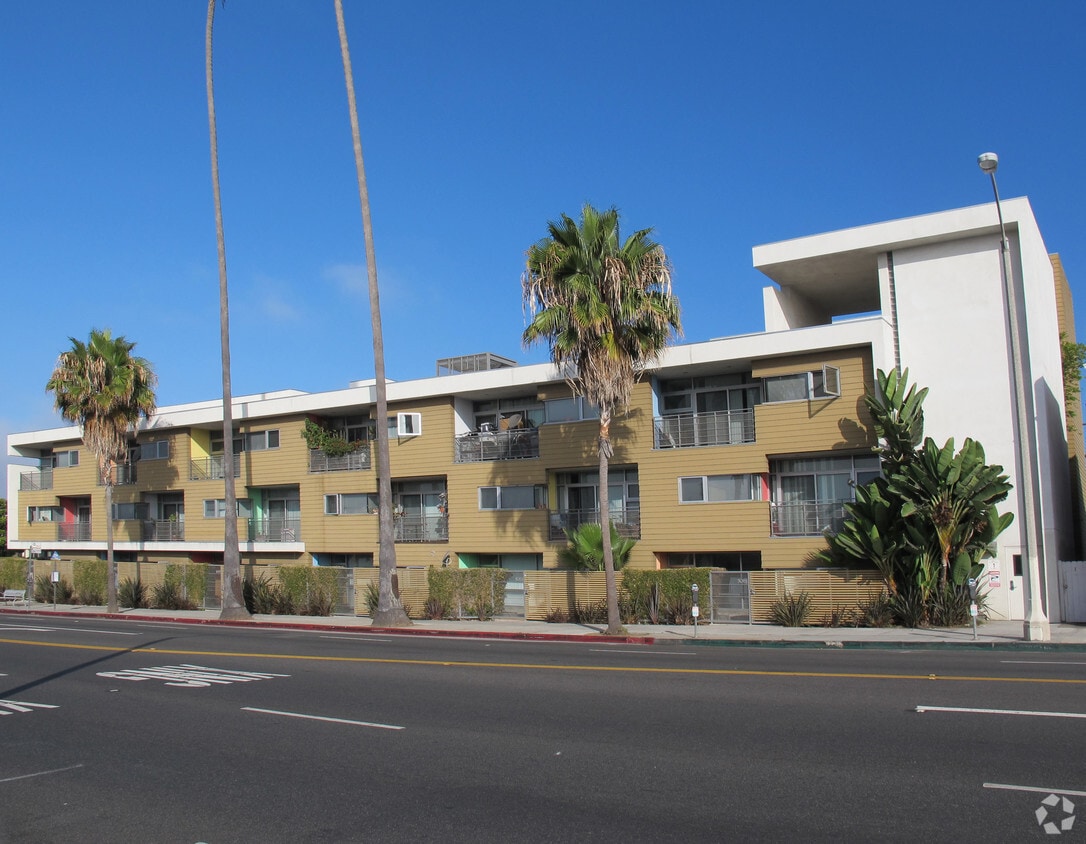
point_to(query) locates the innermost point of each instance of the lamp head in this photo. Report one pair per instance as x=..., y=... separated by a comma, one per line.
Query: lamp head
x=988, y=161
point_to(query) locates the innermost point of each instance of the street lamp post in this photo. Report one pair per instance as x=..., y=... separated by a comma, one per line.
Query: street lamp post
x=1035, y=628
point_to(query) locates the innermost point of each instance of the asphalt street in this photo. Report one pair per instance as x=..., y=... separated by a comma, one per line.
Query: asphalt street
x=180, y=733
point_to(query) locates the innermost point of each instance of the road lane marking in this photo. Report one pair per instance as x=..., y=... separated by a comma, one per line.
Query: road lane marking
x=188, y=676
x=7, y=707
x=970, y=711
x=68, y=630
x=1006, y=787
x=1037, y=662
x=323, y=718
x=43, y=773
x=628, y=669
x=643, y=653
x=362, y=638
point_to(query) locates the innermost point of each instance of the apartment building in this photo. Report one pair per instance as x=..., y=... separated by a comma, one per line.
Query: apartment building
x=737, y=452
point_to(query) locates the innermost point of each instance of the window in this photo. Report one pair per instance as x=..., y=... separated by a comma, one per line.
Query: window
x=64, y=459
x=43, y=514
x=573, y=409
x=730, y=560
x=408, y=424
x=215, y=508
x=513, y=497
x=709, y=488
x=251, y=441
x=350, y=504
x=129, y=511
x=819, y=384
x=502, y=414
x=159, y=450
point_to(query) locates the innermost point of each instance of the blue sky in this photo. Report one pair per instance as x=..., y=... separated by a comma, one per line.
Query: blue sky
x=722, y=125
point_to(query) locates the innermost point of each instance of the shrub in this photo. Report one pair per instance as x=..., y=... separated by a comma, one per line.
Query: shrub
x=592, y=612
x=311, y=590
x=478, y=592
x=43, y=590
x=878, y=612
x=189, y=581
x=664, y=596
x=841, y=616
x=89, y=578
x=264, y=596
x=434, y=609
x=557, y=616
x=168, y=596
x=948, y=606
x=909, y=608
x=132, y=594
x=792, y=610
x=13, y=573
x=373, y=596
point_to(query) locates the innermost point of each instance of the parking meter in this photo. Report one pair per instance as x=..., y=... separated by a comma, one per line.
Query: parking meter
x=973, y=604
x=972, y=589
x=694, y=609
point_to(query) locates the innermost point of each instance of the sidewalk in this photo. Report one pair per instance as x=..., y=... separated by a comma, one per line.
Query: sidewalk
x=993, y=634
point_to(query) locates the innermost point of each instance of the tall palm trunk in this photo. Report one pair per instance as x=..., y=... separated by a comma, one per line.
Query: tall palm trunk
x=614, y=621
x=233, y=600
x=112, y=605
x=389, y=612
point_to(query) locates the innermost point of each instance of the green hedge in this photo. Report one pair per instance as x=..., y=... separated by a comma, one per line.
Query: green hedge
x=663, y=596
x=467, y=592
x=311, y=590
x=187, y=580
x=90, y=581
x=13, y=573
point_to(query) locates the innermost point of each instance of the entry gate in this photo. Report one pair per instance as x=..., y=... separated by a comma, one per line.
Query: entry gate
x=729, y=597
x=1073, y=591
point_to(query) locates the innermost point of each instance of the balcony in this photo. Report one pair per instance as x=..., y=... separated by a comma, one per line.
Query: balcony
x=627, y=521
x=416, y=527
x=73, y=532
x=807, y=518
x=37, y=480
x=488, y=446
x=276, y=529
x=691, y=430
x=212, y=468
x=351, y=462
x=162, y=530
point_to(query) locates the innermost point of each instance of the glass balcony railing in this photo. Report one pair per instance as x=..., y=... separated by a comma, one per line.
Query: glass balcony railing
x=38, y=479
x=212, y=468
x=807, y=518
x=486, y=446
x=276, y=529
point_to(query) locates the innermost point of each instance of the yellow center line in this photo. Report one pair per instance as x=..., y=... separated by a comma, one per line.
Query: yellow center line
x=634, y=669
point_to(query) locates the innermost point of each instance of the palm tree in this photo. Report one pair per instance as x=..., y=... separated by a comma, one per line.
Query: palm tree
x=389, y=612
x=606, y=310
x=233, y=600
x=101, y=387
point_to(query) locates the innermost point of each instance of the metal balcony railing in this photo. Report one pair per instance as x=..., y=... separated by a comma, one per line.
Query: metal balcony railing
x=690, y=430
x=275, y=529
x=486, y=446
x=350, y=462
x=807, y=518
x=123, y=475
x=162, y=530
x=212, y=468
x=415, y=527
x=627, y=521
x=38, y=479
x=73, y=532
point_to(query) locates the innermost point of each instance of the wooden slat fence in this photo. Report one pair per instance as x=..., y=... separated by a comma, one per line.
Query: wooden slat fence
x=829, y=590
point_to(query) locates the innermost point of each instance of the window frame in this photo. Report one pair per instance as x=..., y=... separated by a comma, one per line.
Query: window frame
x=539, y=497
x=244, y=507
x=150, y=450
x=753, y=481
x=333, y=503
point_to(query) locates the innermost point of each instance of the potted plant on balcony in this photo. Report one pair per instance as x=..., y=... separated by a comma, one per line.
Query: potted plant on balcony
x=319, y=438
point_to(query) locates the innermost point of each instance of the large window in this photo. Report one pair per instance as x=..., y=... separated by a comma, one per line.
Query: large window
x=710, y=488
x=44, y=514
x=817, y=384
x=130, y=511
x=512, y=497
x=159, y=450
x=506, y=414
x=350, y=504
x=251, y=441
x=809, y=493
x=573, y=409
x=64, y=459
x=215, y=508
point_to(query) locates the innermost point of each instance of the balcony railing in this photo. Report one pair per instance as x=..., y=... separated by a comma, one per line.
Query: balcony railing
x=416, y=527
x=73, y=532
x=212, y=468
x=275, y=529
x=123, y=475
x=350, y=462
x=627, y=521
x=690, y=430
x=39, y=479
x=807, y=518
x=162, y=530
x=486, y=446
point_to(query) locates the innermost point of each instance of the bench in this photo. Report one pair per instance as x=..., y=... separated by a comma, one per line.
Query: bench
x=14, y=596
